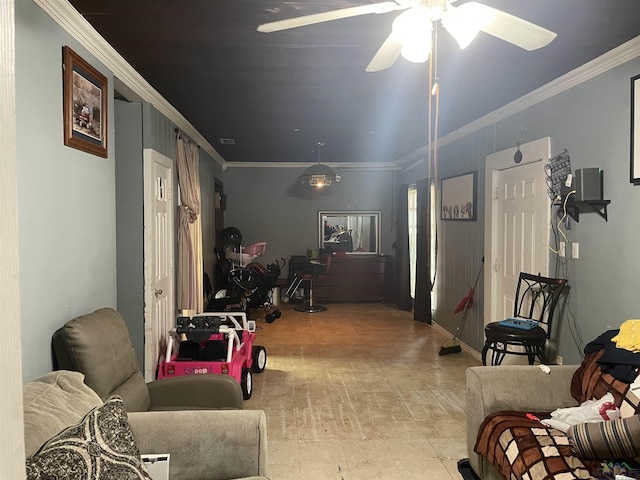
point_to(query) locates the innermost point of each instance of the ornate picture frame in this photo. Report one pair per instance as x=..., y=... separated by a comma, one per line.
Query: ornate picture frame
x=85, y=105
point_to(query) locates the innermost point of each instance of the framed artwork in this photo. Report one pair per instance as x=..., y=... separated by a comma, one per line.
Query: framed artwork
x=85, y=105
x=458, y=197
x=635, y=130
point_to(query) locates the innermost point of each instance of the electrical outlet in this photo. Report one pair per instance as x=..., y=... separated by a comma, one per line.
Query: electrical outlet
x=558, y=360
x=575, y=250
x=563, y=249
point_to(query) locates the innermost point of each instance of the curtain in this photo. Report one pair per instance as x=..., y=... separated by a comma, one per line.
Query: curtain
x=403, y=283
x=357, y=232
x=190, y=276
x=422, y=304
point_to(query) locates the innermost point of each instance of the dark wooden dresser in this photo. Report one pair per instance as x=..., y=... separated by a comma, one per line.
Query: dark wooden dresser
x=352, y=278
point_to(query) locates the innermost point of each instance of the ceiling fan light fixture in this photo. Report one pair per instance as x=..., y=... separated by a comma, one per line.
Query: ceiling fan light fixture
x=416, y=53
x=412, y=24
x=464, y=22
x=417, y=20
x=412, y=29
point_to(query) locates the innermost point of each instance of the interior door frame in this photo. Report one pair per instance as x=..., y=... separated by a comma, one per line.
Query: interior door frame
x=535, y=151
x=150, y=335
x=11, y=446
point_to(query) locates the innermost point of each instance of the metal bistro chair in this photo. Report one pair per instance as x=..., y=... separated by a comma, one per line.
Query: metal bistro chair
x=536, y=299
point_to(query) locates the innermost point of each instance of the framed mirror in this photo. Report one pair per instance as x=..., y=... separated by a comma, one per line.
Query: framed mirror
x=353, y=232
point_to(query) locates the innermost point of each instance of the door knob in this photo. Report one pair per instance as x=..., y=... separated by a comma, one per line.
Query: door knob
x=158, y=292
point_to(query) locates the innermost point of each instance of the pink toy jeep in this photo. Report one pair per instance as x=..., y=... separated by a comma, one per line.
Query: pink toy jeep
x=215, y=343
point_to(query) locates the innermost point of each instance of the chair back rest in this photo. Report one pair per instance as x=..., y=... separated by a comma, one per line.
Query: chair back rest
x=326, y=259
x=99, y=346
x=537, y=298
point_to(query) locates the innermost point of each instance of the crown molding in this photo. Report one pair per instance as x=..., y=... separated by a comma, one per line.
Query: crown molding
x=605, y=62
x=344, y=166
x=63, y=13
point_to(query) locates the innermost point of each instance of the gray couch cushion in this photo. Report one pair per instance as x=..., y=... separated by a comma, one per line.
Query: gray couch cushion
x=52, y=403
x=206, y=444
x=98, y=344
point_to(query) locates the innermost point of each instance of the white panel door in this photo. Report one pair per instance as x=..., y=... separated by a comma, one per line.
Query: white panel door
x=522, y=226
x=158, y=254
x=517, y=216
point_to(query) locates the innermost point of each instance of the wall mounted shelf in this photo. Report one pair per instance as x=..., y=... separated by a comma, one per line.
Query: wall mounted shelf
x=575, y=206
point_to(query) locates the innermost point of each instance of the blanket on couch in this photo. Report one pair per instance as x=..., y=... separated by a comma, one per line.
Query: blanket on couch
x=522, y=448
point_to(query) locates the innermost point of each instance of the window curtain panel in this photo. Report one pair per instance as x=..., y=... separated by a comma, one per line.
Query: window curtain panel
x=422, y=303
x=403, y=279
x=190, y=276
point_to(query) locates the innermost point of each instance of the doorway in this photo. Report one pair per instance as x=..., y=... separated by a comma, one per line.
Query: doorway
x=516, y=223
x=159, y=237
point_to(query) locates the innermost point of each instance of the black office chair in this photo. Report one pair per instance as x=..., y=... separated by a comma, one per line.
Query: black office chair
x=315, y=270
x=536, y=299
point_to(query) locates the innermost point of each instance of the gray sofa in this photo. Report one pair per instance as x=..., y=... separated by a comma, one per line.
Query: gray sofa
x=512, y=387
x=203, y=444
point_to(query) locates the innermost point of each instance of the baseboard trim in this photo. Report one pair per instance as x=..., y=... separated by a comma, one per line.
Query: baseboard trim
x=475, y=354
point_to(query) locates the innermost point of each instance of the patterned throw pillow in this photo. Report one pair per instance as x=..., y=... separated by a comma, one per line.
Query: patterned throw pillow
x=610, y=440
x=100, y=447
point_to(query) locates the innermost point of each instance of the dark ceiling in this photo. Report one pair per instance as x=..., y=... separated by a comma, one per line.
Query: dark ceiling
x=279, y=94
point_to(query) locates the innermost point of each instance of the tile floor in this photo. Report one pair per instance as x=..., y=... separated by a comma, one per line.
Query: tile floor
x=359, y=392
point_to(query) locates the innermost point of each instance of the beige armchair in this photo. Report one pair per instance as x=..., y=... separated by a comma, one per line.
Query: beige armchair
x=98, y=345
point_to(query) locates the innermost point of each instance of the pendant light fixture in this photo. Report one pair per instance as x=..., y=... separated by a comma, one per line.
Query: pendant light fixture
x=319, y=175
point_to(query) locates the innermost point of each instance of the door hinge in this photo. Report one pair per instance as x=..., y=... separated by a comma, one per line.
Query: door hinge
x=496, y=267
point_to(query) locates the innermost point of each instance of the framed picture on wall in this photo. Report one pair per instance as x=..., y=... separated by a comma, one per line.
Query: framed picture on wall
x=85, y=105
x=635, y=130
x=458, y=197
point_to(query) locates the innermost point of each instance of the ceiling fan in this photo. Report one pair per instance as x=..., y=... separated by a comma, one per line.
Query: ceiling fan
x=411, y=33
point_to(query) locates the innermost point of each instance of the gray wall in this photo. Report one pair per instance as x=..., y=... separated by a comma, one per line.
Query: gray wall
x=460, y=244
x=141, y=126
x=592, y=122
x=269, y=205
x=130, y=220
x=66, y=198
x=160, y=135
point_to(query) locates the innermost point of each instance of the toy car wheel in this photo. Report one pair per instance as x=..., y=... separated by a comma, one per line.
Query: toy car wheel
x=246, y=383
x=259, y=355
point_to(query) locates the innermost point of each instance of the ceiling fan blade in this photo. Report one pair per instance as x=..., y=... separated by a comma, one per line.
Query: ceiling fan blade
x=383, y=7
x=386, y=55
x=512, y=29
